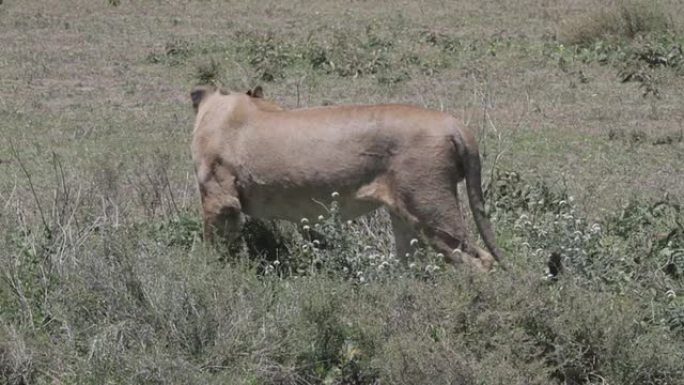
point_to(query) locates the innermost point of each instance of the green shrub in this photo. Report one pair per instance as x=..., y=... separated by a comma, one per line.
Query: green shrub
x=636, y=37
x=337, y=52
x=209, y=73
x=175, y=52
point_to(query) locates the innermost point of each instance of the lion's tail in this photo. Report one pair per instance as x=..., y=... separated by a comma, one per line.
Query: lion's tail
x=470, y=156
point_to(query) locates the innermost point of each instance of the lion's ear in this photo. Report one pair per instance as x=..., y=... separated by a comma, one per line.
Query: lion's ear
x=198, y=94
x=257, y=92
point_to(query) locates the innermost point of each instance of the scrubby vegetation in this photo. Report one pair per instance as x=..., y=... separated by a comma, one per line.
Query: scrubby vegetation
x=103, y=275
x=86, y=300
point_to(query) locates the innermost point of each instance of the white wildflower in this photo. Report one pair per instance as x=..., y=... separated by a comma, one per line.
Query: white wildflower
x=335, y=195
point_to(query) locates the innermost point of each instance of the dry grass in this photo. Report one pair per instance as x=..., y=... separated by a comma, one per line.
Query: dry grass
x=620, y=20
x=102, y=275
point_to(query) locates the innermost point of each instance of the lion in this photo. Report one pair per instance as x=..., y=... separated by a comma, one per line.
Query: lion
x=253, y=157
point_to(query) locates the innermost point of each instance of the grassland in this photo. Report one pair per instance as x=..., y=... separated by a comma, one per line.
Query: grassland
x=578, y=106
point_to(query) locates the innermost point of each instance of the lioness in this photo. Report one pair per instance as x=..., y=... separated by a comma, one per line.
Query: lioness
x=253, y=157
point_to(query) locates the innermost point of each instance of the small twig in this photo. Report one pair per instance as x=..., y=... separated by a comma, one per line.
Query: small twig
x=167, y=182
x=58, y=214
x=185, y=191
x=298, y=86
x=15, y=153
x=15, y=285
x=10, y=196
x=73, y=210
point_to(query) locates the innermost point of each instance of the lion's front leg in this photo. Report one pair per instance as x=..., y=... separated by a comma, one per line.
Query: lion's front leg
x=222, y=211
x=222, y=224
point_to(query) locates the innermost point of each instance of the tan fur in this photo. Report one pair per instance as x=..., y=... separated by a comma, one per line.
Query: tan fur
x=253, y=157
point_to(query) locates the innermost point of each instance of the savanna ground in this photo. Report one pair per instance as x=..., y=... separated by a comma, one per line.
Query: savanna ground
x=104, y=279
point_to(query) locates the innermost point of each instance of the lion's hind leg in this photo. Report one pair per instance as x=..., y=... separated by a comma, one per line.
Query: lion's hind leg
x=437, y=213
x=404, y=233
